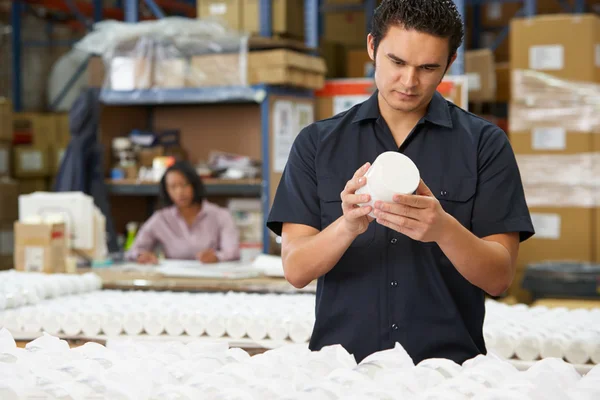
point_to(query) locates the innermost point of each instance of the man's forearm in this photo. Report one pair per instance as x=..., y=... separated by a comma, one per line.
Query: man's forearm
x=486, y=264
x=310, y=257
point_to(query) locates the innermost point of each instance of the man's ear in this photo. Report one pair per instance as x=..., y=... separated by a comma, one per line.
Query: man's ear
x=371, y=46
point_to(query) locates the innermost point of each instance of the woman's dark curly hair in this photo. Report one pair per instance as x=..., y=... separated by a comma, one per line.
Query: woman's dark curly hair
x=436, y=17
x=190, y=175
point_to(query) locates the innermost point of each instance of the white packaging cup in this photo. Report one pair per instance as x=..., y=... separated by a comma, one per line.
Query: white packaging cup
x=391, y=173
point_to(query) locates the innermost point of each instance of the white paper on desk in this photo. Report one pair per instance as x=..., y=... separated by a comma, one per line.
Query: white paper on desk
x=196, y=269
x=269, y=265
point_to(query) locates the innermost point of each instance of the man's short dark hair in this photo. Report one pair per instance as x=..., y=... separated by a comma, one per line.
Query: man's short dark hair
x=190, y=174
x=435, y=17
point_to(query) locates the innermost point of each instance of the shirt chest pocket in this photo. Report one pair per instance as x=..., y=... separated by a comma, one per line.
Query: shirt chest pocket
x=457, y=195
x=329, y=191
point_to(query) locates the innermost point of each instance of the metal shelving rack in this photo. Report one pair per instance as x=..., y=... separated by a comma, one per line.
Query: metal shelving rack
x=129, y=11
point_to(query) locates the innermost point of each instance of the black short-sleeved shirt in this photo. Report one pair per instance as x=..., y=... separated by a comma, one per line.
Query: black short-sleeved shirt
x=387, y=287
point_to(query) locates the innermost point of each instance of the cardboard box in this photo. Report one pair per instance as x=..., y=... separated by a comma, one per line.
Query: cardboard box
x=562, y=233
x=481, y=74
x=503, y=83
x=334, y=55
x=228, y=11
x=76, y=207
x=564, y=45
x=270, y=66
x=287, y=17
x=339, y=95
x=63, y=132
x=28, y=186
x=551, y=130
x=9, y=201
x=359, y=64
x=146, y=156
x=40, y=247
x=494, y=14
x=131, y=73
x=170, y=73
x=6, y=125
x=96, y=72
x=348, y=28
x=35, y=128
x=31, y=162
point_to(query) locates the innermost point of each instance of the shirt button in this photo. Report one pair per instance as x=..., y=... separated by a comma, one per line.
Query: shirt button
x=394, y=327
x=394, y=283
x=443, y=193
x=393, y=241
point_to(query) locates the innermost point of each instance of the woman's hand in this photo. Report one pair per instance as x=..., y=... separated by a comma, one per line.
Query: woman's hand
x=207, y=257
x=147, y=257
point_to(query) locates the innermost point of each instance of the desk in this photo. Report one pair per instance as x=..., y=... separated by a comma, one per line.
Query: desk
x=113, y=278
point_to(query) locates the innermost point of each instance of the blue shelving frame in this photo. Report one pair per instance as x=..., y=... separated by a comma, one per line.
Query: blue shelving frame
x=259, y=94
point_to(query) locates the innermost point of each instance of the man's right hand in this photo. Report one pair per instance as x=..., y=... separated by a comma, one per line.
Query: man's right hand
x=356, y=219
x=147, y=257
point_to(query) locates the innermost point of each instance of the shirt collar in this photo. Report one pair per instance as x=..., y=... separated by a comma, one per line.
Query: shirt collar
x=438, y=112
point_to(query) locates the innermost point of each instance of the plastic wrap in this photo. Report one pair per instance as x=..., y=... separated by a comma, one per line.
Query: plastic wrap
x=142, y=60
x=575, y=118
x=561, y=180
x=560, y=169
x=537, y=89
x=551, y=195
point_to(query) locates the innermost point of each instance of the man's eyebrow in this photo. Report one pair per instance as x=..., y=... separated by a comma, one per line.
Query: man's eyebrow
x=399, y=60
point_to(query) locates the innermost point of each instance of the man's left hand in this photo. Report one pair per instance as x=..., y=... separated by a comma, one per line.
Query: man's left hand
x=419, y=216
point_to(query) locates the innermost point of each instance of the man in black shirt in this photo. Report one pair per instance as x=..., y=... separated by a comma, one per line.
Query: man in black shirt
x=417, y=274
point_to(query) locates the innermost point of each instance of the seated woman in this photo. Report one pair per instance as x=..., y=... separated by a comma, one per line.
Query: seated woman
x=188, y=227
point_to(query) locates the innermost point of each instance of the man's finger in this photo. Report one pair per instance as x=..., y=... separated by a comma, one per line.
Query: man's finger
x=397, y=220
x=352, y=199
x=413, y=200
x=362, y=170
x=403, y=230
x=359, y=212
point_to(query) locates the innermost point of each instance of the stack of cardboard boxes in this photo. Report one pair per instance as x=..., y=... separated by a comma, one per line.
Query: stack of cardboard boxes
x=554, y=127
x=243, y=15
x=31, y=148
x=39, y=142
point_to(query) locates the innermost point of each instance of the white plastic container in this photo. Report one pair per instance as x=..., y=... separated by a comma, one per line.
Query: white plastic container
x=391, y=173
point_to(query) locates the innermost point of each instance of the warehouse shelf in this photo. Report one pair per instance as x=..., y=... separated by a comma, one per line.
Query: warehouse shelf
x=233, y=94
x=214, y=187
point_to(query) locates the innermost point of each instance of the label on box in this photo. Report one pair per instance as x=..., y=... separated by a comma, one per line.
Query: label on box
x=3, y=161
x=549, y=58
x=474, y=81
x=547, y=226
x=549, y=139
x=217, y=9
x=31, y=161
x=494, y=10
x=344, y=103
x=34, y=259
x=7, y=243
x=598, y=55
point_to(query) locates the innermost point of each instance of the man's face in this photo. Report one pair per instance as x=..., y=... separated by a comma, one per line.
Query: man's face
x=409, y=66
